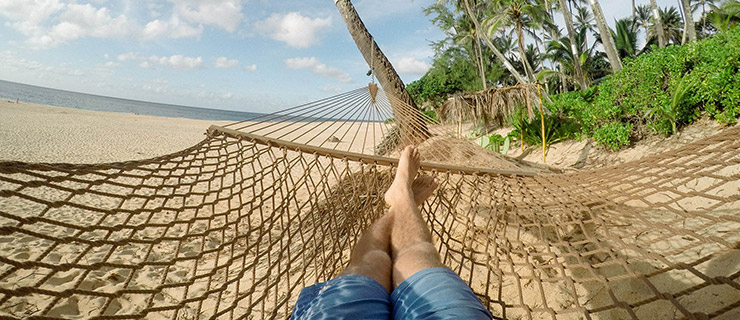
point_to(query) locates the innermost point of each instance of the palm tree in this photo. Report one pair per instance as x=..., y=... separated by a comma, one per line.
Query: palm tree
x=689, y=30
x=516, y=13
x=644, y=14
x=634, y=10
x=461, y=31
x=625, y=37
x=696, y=5
x=726, y=16
x=591, y=61
x=670, y=21
x=571, y=43
x=584, y=18
x=534, y=57
x=606, y=37
x=657, y=22
x=552, y=32
x=383, y=70
x=473, y=17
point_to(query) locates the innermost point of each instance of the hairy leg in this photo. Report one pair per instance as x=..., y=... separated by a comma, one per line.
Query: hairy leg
x=412, y=249
x=370, y=256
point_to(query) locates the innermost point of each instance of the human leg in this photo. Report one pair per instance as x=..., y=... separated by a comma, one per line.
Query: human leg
x=423, y=287
x=360, y=291
x=371, y=255
x=412, y=249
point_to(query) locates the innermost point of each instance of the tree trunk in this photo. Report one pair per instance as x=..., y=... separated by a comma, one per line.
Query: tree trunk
x=634, y=10
x=658, y=24
x=688, y=25
x=554, y=37
x=606, y=37
x=523, y=52
x=481, y=64
x=572, y=36
x=498, y=54
x=413, y=128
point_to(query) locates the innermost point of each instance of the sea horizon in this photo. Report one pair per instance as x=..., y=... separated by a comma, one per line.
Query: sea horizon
x=14, y=91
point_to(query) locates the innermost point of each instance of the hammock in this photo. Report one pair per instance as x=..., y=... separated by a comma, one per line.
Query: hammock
x=237, y=225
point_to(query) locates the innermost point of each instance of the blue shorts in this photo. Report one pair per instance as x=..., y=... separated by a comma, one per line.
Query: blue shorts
x=433, y=293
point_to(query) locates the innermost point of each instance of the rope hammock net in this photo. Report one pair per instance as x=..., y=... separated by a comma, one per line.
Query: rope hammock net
x=237, y=225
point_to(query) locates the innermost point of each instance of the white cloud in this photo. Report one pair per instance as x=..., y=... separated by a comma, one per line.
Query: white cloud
x=49, y=23
x=251, y=68
x=317, y=67
x=127, y=56
x=293, y=29
x=172, y=28
x=226, y=14
x=412, y=65
x=302, y=63
x=178, y=61
x=225, y=63
x=175, y=61
x=29, y=16
x=13, y=63
x=78, y=21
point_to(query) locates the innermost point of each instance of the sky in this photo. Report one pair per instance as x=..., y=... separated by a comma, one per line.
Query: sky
x=245, y=55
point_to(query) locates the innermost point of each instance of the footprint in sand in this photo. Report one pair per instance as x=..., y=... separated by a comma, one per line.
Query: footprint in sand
x=23, y=255
x=113, y=307
x=68, y=308
x=53, y=258
x=61, y=279
x=91, y=284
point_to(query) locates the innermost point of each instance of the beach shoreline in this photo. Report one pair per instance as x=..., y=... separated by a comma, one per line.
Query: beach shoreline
x=42, y=133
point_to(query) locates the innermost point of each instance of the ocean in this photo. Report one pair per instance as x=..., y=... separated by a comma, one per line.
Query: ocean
x=11, y=91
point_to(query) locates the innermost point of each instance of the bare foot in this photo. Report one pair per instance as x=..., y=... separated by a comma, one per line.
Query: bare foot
x=423, y=187
x=400, y=190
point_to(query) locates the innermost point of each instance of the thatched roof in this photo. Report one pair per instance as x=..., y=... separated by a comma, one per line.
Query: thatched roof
x=492, y=105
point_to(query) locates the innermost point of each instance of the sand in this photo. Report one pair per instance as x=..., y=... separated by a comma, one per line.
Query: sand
x=36, y=133
x=50, y=134
x=587, y=154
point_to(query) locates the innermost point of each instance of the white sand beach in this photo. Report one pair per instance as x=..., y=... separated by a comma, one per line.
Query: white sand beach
x=37, y=133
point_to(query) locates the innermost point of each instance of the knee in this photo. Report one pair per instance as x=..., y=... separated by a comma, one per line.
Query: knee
x=374, y=264
x=377, y=258
x=425, y=250
x=371, y=262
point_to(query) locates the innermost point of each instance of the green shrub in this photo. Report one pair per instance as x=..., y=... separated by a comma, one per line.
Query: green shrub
x=557, y=129
x=496, y=143
x=662, y=90
x=430, y=116
x=614, y=135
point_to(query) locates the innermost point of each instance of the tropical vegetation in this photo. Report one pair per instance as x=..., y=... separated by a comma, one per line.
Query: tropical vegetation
x=655, y=72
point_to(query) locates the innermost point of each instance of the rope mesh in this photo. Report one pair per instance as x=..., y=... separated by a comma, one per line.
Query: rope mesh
x=237, y=225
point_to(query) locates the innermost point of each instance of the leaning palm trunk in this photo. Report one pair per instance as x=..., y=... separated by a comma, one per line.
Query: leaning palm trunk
x=553, y=36
x=498, y=54
x=572, y=37
x=606, y=37
x=522, y=52
x=481, y=64
x=413, y=128
x=658, y=24
x=688, y=26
